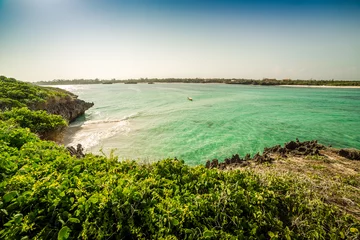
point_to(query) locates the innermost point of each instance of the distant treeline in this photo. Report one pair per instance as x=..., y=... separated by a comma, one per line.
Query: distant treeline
x=265, y=81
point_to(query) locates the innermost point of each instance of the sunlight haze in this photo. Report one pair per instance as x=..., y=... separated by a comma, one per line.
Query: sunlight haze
x=63, y=39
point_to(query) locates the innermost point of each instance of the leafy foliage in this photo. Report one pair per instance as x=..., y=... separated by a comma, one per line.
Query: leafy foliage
x=39, y=122
x=45, y=194
x=15, y=93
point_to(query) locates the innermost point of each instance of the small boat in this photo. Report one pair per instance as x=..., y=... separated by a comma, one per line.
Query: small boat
x=189, y=98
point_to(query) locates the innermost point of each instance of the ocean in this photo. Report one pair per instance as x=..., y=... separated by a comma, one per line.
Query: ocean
x=149, y=122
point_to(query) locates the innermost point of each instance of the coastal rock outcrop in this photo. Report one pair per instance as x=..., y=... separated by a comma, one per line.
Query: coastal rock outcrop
x=69, y=106
x=77, y=152
x=296, y=148
x=292, y=148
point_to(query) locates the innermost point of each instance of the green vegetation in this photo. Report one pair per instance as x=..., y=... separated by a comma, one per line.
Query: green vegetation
x=39, y=122
x=265, y=81
x=15, y=93
x=46, y=193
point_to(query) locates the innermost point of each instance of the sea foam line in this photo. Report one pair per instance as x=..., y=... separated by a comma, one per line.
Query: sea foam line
x=93, y=133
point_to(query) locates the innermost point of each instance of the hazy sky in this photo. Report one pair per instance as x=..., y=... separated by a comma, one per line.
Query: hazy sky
x=67, y=39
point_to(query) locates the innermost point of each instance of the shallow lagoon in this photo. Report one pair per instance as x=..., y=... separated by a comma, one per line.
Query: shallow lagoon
x=154, y=121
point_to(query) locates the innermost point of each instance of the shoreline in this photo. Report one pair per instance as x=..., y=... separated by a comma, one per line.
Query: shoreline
x=290, y=149
x=318, y=86
x=216, y=83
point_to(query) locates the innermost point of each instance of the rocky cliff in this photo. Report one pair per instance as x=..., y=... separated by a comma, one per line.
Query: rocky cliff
x=68, y=106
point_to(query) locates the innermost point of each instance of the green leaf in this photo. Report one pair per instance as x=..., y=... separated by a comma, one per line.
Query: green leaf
x=64, y=233
x=4, y=211
x=62, y=221
x=77, y=168
x=18, y=217
x=354, y=230
x=94, y=199
x=208, y=234
x=9, y=196
x=8, y=224
x=175, y=222
x=74, y=220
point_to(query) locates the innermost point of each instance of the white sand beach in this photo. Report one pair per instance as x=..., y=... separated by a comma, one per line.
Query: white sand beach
x=316, y=86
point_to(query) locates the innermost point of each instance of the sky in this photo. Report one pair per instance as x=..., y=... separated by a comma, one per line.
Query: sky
x=42, y=40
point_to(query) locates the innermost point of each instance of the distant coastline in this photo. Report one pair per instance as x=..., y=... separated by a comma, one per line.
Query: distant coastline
x=317, y=86
x=264, y=82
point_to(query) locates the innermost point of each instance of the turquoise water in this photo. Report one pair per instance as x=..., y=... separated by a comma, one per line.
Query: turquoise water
x=154, y=121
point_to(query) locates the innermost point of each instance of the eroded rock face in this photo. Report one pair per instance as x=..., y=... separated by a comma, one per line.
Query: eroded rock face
x=69, y=107
x=292, y=148
x=296, y=148
x=69, y=110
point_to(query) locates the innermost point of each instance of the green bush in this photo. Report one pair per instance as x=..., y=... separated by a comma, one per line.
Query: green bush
x=15, y=93
x=39, y=122
x=14, y=136
x=7, y=103
x=45, y=193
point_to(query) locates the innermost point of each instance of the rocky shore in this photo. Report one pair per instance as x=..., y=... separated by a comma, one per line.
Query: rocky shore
x=68, y=106
x=78, y=152
x=290, y=149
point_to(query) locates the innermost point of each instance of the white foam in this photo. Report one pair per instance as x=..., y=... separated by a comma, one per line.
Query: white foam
x=93, y=133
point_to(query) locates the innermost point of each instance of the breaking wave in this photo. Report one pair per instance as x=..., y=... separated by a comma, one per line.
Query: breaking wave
x=92, y=133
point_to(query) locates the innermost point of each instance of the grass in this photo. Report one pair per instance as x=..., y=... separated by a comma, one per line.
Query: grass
x=331, y=178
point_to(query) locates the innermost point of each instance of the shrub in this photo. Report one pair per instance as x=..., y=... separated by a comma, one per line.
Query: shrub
x=45, y=193
x=15, y=93
x=39, y=122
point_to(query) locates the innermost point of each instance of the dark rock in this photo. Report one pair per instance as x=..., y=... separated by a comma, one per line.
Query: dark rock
x=214, y=163
x=301, y=149
x=282, y=151
x=207, y=165
x=296, y=148
x=236, y=158
x=244, y=164
x=69, y=106
x=349, y=153
x=274, y=149
x=262, y=158
x=78, y=152
x=72, y=150
x=291, y=145
x=256, y=156
x=292, y=148
x=222, y=166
